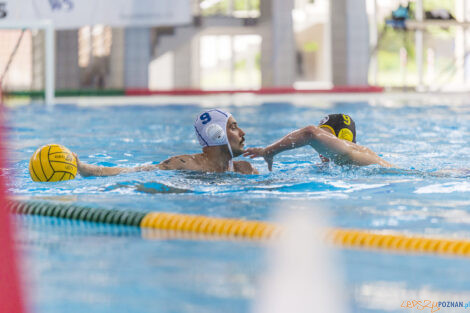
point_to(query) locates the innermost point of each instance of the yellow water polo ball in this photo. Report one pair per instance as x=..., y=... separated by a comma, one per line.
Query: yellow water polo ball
x=52, y=163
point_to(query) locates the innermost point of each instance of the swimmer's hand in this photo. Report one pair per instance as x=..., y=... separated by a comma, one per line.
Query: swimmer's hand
x=81, y=167
x=84, y=169
x=260, y=152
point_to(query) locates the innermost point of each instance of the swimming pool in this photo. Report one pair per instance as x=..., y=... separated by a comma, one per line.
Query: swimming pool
x=77, y=266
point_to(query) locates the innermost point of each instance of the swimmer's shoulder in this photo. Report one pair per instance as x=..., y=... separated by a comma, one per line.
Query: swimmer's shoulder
x=181, y=162
x=244, y=167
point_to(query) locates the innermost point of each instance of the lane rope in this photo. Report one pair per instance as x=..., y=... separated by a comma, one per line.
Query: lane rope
x=213, y=227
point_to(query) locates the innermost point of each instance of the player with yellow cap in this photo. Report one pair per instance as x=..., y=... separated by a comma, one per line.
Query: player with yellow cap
x=334, y=139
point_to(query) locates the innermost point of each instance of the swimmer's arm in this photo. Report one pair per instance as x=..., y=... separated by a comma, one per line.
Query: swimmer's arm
x=343, y=151
x=323, y=142
x=293, y=140
x=87, y=170
x=244, y=167
x=328, y=145
x=180, y=162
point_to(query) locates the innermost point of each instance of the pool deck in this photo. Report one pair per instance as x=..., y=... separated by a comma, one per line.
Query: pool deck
x=301, y=99
x=322, y=100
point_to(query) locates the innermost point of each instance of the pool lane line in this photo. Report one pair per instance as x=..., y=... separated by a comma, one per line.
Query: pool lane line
x=350, y=238
x=239, y=229
x=73, y=212
x=212, y=226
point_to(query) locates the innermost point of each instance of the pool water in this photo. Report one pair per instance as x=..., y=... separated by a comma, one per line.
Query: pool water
x=74, y=266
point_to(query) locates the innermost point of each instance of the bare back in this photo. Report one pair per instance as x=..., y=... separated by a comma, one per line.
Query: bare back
x=197, y=162
x=191, y=162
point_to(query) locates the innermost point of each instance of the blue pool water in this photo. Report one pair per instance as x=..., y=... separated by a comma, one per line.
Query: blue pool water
x=82, y=267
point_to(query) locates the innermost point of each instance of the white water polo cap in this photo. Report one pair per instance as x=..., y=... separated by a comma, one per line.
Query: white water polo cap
x=211, y=128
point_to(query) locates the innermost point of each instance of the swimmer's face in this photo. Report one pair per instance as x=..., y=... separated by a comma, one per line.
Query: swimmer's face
x=236, y=137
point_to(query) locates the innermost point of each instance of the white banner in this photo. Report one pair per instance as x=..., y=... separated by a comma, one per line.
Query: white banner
x=71, y=14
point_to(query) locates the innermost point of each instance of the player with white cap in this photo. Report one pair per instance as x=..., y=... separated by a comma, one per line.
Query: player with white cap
x=209, y=127
x=221, y=140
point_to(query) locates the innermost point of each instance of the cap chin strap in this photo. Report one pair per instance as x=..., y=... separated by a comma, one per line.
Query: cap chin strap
x=230, y=162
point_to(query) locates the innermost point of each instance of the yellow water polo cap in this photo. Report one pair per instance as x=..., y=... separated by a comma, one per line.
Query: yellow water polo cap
x=341, y=125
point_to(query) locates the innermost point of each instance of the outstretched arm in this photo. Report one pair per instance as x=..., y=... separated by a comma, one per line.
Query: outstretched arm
x=180, y=162
x=343, y=152
x=293, y=140
x=325, y=143
x=96, y=170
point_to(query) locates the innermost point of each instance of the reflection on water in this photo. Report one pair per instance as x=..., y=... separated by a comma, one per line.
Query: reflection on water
x=147, y=187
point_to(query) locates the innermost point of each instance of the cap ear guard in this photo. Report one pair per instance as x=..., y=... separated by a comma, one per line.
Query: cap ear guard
x=346, y=134
x=216, y=134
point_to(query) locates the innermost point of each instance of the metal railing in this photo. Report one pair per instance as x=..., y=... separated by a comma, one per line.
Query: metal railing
x=234, y=8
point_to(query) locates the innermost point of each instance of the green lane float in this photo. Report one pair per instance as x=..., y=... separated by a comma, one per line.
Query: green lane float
x=203, y=227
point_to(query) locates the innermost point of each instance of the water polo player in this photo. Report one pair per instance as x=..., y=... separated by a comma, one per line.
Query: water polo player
x=221, y=140
x=334, y=139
